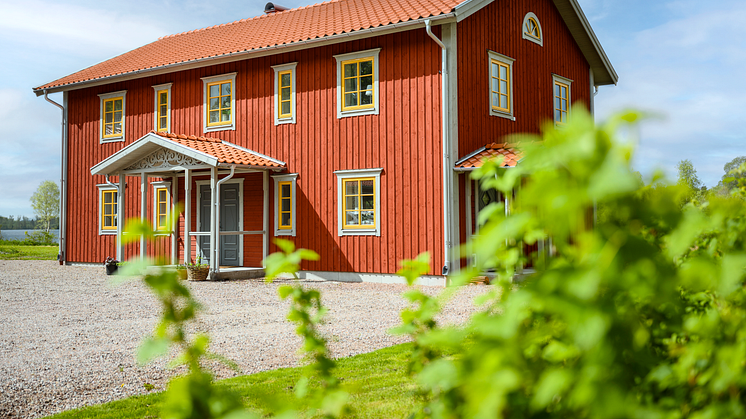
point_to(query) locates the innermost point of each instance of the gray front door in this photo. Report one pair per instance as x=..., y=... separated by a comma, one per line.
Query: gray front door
x=229, y=209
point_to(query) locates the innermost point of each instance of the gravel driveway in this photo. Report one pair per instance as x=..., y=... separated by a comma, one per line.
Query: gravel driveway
x=67, y=337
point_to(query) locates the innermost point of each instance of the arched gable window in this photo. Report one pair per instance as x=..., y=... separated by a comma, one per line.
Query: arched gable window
x=531, y=29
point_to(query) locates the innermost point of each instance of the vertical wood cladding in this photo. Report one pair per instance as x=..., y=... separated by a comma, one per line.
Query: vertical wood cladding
x=404, y=140
x=497, y=28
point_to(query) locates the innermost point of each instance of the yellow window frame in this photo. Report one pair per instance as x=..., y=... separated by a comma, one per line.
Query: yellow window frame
x=559, y=101
x=220, y=107
x=534, y=31
x=162, y=111
x=360, y=209
x=110, y=215
x=113, y=112
x=506, y=80
x=280, y=100
x=359, y=89
x=280, y=199
x=161, y=214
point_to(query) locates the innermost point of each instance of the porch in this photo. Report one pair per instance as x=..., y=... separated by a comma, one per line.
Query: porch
x=214, y=176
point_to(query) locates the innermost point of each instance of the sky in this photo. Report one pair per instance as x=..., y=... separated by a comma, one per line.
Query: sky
x=680, y=60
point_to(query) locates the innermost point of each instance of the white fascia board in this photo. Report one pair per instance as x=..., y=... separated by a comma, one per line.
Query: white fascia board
x=254, y=53
x=469, y=7
x=110, y=164
x=470, y=155
x=236, y=146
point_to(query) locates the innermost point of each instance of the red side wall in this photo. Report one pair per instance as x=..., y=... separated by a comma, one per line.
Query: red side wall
x=497, y=28
x=404, y=140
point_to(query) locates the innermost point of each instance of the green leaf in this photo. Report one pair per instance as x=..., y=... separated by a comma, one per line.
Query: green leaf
x=152, y=348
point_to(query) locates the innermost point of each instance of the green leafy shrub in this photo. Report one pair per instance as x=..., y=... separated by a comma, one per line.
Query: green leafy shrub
x=642, y=315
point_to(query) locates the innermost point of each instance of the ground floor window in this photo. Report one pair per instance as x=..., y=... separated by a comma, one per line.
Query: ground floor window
x=161, y=205
x=107, y=204
x=359, y=201
x=285, y=218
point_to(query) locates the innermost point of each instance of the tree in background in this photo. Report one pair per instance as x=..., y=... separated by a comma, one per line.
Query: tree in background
x=46, y=203
x=724, y=187
x=687, y=176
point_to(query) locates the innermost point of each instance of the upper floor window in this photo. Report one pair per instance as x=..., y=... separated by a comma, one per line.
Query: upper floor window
x=501, y=85
x=357, y=83
x=531, y=29
x=284, y=93
x=163, y=107
x=113, y=116
x=285, y=204
x=161, y=205
x=107, y=204
x=219, y=102
x=359, y=195
x=561, y=95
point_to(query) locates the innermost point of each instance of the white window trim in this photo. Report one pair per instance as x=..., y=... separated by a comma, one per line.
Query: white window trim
x=278, y=69
x=376, y=64
x=557, y=78
x=156, y=89
x=509, y=62
x=212, y=79
x=198, y=184
x=102, y=98
x=156, y=186
x=359, y=173
x=539, y=41
x=285, y=178
x=105, y=187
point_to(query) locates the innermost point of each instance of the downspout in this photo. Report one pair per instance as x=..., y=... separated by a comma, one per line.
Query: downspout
x=63, y=182
x=216, y=255
x=446, y=148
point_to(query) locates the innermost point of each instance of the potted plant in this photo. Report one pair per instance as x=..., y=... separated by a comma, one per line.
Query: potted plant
x=111, y=265
x=181, y=271
x=197, y=271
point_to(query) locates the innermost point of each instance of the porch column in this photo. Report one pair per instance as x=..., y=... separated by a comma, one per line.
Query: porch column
x=187, y=216
x=120, y=215
x=143, y=211
x=213, y=226
x=265, y=218
x=174, y=219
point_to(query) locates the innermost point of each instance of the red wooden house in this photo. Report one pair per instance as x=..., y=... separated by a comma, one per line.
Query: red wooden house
x=346, y=126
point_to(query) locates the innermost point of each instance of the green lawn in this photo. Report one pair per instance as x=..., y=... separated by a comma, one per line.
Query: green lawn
x=378, y=381
x=21, y=252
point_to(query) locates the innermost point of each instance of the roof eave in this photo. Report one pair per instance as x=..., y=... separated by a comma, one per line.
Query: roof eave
x=258, y=52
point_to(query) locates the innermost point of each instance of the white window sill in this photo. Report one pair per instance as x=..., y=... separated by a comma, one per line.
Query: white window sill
x=360, y=232
x=284, y=233
x=112, y=139
x=357, y=112
x=502, y=115
x=289, y=120
x=228, y=127
x=107, y=233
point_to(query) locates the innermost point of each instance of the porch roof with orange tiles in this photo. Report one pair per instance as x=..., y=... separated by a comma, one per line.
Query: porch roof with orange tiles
x=475, y=159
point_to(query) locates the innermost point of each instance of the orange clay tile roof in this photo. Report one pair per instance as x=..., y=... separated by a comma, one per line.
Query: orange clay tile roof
x=269, y=30
x=225, y=152
x=475, y=159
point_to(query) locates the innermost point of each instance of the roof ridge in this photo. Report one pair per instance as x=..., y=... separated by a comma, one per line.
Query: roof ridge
x=262, y=16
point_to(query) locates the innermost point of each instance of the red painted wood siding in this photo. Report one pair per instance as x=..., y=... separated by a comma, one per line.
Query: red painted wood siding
x=404, y=140
x=497, y=28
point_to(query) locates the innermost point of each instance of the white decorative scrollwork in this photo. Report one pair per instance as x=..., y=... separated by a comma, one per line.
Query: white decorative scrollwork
x=164, y=159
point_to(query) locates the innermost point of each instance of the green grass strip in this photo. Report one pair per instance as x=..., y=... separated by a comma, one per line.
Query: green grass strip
x=378, y=382
x=21, y=252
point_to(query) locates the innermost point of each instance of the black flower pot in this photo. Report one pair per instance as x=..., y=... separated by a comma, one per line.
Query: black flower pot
x=111, y=268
